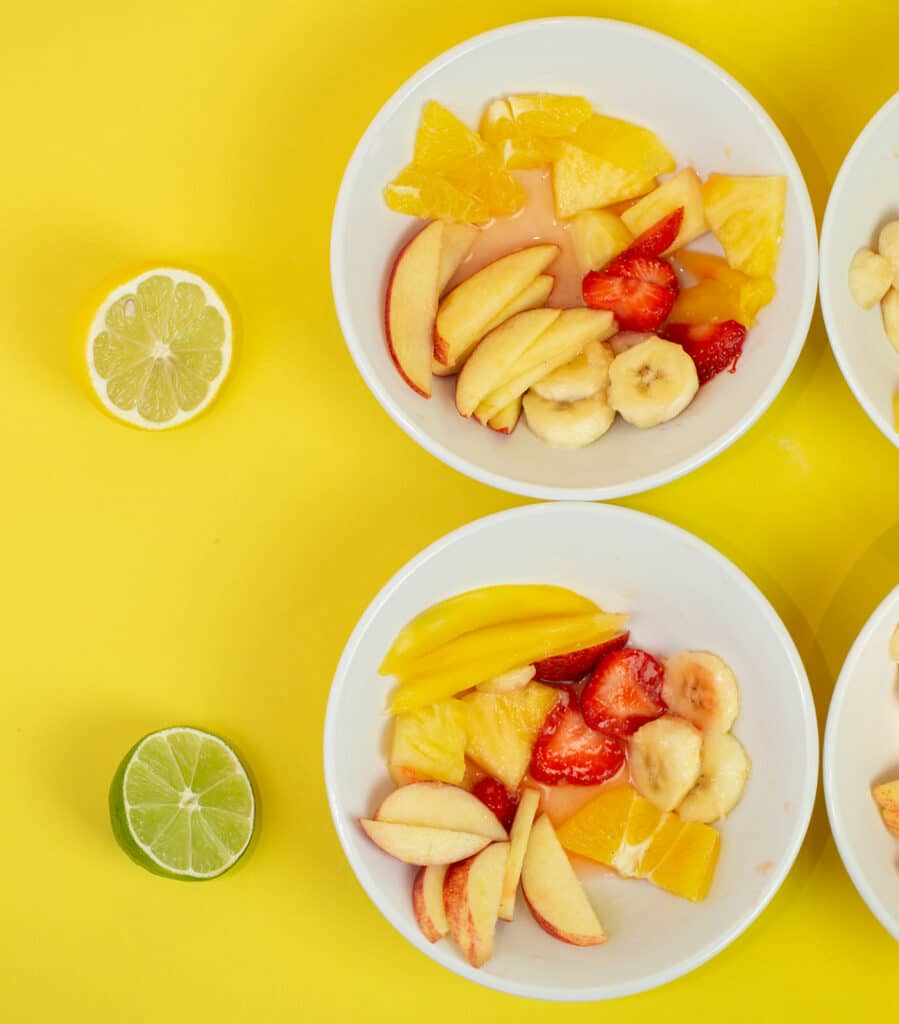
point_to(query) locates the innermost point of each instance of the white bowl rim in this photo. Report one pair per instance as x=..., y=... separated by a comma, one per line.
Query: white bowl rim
x=533, y=490
x=834, y=335
x=840, y=833
x=775, y=878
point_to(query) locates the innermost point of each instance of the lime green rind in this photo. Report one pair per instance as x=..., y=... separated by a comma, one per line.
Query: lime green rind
x=124, y=835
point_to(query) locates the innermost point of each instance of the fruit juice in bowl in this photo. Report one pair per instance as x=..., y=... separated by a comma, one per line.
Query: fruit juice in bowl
x=468, y=775
x=648, y=85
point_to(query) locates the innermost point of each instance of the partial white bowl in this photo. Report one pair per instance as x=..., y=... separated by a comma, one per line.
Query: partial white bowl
x=864, y=197
x=628, y=72
x=861, y=748
x=681, y=594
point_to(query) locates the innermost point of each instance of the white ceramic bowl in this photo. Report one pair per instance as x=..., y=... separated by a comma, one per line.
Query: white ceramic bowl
x=863, y=198
x=861, y=748
x=627, y=72
x=681, y=594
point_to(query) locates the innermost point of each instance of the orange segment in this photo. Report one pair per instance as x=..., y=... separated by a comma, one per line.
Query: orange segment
x=689, y=866
x=527, y=129
x=747, y=295
x=422, y=194
x=541, y=113
x=659, y=846
x=706, y=302
x=597, y=829
x=443, y=142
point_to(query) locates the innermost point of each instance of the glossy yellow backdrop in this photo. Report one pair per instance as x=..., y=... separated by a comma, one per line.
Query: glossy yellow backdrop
x=211, y=575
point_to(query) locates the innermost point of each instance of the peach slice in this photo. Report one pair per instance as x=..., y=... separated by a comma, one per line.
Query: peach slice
x=553, y=892
x=414, y=844
x=521, y=831
x=438, y=805
x=684, y=189
x=427, y=901
x=492, y=361
x=411, y=307
x=465, y=314
x=471, y=895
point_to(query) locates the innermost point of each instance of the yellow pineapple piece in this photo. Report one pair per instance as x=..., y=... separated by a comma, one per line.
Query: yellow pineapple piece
x=502, y=729
x=748, y=294
x=583, y=181
x=684, y=189
x=629, y=146
x=747, y=216
x=598, y=236
x=430, y=744
x=687, y=869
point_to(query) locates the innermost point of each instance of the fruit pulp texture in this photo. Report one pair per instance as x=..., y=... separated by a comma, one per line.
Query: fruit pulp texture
x=534, y=224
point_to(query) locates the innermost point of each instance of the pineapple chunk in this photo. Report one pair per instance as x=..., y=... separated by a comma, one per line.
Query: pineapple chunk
x=684, y=189
x=430, y=744
x=747, y=216
x=502, y=728
x=628, y=146
x=598, y=236
x=582, y=181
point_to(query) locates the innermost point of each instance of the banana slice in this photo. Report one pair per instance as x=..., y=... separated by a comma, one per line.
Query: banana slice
x=724, y=771
x=585, y=376
x=894, y=644
x=888, y=247
x=568, y=424
x=870, y=277
x=664, y=759
x=652, y=382
x=890, y=311
x=702, y=688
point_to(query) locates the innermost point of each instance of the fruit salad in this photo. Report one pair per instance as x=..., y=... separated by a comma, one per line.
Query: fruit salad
x=552, y=276
x=530, y=739
x=886, y=794
x=873, y=280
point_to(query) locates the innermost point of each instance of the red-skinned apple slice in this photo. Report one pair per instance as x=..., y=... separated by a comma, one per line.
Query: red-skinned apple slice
x=457, y=242
x=552, y=890
x=471, y=895
x=411, y=307
x=506, y=420
x=442, y=806
x=521, y=831
x=427, y=901
x=415, y=844
x=466, y=313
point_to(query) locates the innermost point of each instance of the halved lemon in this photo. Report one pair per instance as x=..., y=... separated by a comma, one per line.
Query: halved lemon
x=159, y=348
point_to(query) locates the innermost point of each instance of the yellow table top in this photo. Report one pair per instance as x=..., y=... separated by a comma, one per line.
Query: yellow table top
x=211, y=575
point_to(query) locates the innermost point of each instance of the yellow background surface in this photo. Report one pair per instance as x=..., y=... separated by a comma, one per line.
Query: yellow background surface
x=212, y=575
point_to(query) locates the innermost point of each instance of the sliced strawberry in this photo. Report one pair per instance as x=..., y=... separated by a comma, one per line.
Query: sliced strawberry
x=568, y=750
x=494, y=795
x=712, y=347
x=624, y=692
x=655, y=240
x=644, y=268
x=572, y=667
x=637, y=305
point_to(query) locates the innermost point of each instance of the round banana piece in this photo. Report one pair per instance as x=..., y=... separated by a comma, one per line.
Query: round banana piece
x=568, y=424
x=890, y=311
x=894, y=644
x=724, y=772
x=888, y=247
x=652, y=382
x=586, y=375
x=870, y=277
x=665, y=760
x=703, y=689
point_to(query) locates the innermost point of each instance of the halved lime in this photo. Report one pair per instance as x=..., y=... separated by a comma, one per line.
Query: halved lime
x=159, y=348
x=182, y=805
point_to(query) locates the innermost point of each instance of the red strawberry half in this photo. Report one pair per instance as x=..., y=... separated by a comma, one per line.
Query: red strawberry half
x=624, y=692
x=639, y=290
x=568, y=750
x=644, y=268
x=655, y=240
x=570, y=668
x=712, y=347
x=494, y=795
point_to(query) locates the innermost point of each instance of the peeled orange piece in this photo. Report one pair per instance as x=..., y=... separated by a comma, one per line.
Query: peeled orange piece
x=159, y=349
x=528, y=128
x=425, y=194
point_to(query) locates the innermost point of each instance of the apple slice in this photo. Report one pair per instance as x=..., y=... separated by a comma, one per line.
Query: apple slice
x=521, y=831
x=427, y=901
x=492, y=361
x=508, y=682
x=410, y=309
x=439, y=805
x=464, y=314
x=533, y=297
x=558, y=345
x=684, y=189
x=506, y=420
x=415, y=844
x=457, y=242
x=553, y=892
x=471, y=895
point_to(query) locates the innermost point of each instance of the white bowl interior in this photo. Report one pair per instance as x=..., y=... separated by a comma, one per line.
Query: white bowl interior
x=861, y=749
x=681, y=594
x=864, y=197
x=626, y=72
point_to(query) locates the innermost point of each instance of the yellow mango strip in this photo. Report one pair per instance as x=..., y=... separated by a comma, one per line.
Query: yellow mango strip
x=476, y=609
x=489, y=652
